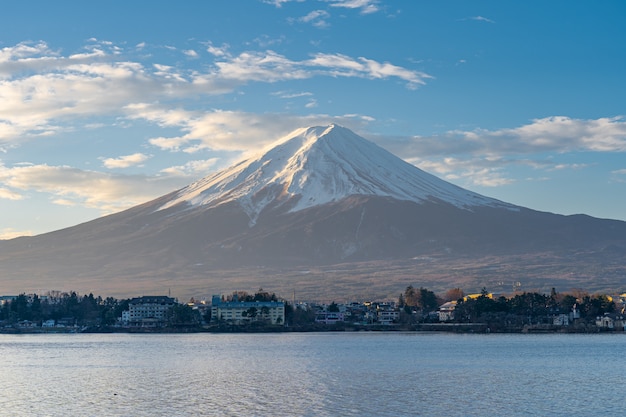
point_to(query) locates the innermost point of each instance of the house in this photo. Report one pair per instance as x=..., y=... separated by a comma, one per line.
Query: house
x=327, y=317
x=149, y=311
x=561, y=320
x=388, y=316
x=241, y=312
x=446, y=311
x=611, y=321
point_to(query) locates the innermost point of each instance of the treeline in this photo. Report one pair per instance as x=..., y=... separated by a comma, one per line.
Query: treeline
x=420, y=305
x=72, y=309
x=69, y=308
x=244, y=296
x=531, y=308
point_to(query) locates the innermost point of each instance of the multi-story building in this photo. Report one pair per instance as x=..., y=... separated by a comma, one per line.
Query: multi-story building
x=446, y=311
x=331, y=317
x=241, y=312
x=149, y=311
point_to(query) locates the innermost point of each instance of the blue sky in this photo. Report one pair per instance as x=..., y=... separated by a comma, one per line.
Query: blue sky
x=107, y=105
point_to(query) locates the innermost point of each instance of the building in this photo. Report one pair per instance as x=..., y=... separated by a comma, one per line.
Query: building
x=149, y=311
x=242, y=312
x=387, y=316
x=612, y=321
x=446, y=311
x=327, y=317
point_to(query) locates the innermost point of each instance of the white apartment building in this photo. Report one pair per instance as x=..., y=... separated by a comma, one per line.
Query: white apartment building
x=149, y=311
x=240, y=312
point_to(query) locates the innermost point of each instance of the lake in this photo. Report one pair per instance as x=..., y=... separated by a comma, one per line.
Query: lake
x=312, y=374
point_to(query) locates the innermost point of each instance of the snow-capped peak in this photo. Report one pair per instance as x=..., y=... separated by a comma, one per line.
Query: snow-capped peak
x=319, y=165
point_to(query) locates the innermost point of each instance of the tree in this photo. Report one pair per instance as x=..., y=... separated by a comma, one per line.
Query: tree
x=251, y=312
x=591, y=307
x=421, y=299
x=265, y=312
x=264, y=296
x=19, y=306
x=427, y=300
x=411, y=296
x=566, y=303
x=401, y=302
x=454, y=294
x=333, y=308
x=35, y=308
x=182, y=315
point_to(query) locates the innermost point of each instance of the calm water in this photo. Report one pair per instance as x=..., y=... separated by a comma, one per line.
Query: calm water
x=322, y=374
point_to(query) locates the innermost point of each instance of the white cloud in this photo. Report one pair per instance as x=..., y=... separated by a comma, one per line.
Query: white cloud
x=481, y=157
x=235, y=134
x=339, y=65
x=10, y=195
x=44, y=92
x=481, y=19
x=366, y=6
x=192, y=168
x=271, y=67
x=63, y=202
x=474, y=171
x=316, y=18
x=105, y=192
x=288, y=95
x=228, y=130
x=191, y=53
x=218, y=51
x=10, y=233
x=279, y=3
x=125, y=161
x=561, y=167
x=551, y=134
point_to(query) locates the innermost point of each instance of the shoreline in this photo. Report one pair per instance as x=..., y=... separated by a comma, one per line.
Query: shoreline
x=469, y=328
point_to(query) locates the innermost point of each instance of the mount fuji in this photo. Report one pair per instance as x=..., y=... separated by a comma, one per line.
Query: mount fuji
x=322, y=165
x=322, y=212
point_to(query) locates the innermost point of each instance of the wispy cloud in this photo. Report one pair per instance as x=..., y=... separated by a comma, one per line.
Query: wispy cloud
x=311, y=104
x=551, y=134
x=125, y=161
x=235, y=134
x=218, y=51
x=105, y=192
x=191, y=53
x=279, y=3
x=480, y=19
x=228, y=130
x=10, y=233
x=44, y=92
x=290, y=95
x=10, y=195
x=365, y=6
x=481, y=157
x=192, y=168
x=317, y=18
x=474, y=171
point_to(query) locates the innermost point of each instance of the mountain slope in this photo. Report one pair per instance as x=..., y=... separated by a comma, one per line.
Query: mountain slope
x=321, y=199
x=321, y=165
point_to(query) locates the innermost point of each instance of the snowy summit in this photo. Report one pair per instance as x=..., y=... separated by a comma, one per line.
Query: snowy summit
x=319, y=165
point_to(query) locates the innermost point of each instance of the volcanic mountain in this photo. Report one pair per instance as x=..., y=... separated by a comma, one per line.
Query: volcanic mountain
x=321, y=200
